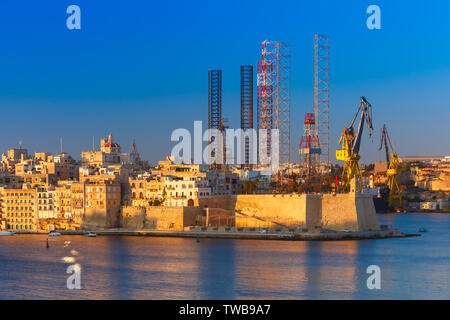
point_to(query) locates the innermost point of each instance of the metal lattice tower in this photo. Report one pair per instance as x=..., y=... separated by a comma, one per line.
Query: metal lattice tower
x=282, y=99
x=215, y=120
x=322, y=93
x=309, y=148
x=274, y=96
x=215, y=99
x=265, y=84
x=246, y=107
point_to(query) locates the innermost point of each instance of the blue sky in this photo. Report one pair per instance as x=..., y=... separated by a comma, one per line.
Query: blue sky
x=139, y=69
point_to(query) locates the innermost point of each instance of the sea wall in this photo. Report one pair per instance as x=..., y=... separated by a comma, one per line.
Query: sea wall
x=352, y=211
x=160, y=218
x=278, y=211
x=267, y=211
x=99, y=219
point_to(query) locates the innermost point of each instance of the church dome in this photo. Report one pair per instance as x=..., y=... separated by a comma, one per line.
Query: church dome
x=111, y=145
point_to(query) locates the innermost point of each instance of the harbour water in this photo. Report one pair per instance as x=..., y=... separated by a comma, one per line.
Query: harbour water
x=114, y=267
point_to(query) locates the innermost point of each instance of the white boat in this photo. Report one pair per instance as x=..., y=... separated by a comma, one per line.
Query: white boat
x=6, y=233
x=54, y=234
x=91, y=234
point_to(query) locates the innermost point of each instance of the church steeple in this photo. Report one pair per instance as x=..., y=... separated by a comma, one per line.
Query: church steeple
x=133, y=148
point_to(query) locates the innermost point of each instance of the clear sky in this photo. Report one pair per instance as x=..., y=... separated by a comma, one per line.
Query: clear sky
x=138, y=69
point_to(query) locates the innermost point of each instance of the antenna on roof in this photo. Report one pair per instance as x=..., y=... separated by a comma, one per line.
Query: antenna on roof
x=60, y=145
x=20, y=144
x=93, y=144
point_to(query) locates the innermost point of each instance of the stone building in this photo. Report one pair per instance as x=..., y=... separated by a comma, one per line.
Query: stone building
x=224, y=182
x=110, y=154
x=146, y=190
x=185, y=192
x=63, y=196
x=46, y=202
x=19, y=209
x=102, y=203
x=169, y=168
x=16, y=154
x=93, y=202
x=432, y=178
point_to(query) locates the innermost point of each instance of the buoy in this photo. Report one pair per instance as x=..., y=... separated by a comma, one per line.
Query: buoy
x=47, y=244
x=198, y=239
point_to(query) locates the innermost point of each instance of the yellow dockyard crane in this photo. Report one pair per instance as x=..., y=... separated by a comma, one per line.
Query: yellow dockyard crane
x=351, y=143
x=392, y=168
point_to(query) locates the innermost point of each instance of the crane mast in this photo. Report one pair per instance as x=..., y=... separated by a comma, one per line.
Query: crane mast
x=351, y=143
x=392, y=171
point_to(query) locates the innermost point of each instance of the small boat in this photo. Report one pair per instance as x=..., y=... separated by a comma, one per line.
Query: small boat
x=422, y=230
x=91, y=234
x=53, y=233
x=6, y=233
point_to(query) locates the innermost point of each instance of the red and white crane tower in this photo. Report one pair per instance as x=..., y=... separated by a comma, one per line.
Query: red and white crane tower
x=309, y=149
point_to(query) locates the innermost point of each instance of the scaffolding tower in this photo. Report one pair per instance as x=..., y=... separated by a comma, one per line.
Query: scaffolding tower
x=282, y=101
x=264, y=93
x=246, y=109
x=215, y=120
x=273, y=96
x=215, y=99
x=322, y=93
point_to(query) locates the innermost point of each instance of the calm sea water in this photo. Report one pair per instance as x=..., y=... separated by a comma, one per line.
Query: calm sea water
x=175, y=268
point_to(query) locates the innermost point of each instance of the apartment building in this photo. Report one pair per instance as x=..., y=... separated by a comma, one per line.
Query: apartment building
x=185, y=192
x=19, y=210
x=46, y=202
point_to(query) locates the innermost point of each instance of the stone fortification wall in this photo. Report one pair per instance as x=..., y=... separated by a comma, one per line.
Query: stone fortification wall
x=353, y=211
x=160, y=218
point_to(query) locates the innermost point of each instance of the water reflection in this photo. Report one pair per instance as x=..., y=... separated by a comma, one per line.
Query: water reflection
x=171, y=268
x=308, y=270
x=217, y=268
x=336, y=268
x=119, y=268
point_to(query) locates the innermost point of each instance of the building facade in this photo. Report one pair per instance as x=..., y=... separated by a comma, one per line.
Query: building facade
x=19, y=209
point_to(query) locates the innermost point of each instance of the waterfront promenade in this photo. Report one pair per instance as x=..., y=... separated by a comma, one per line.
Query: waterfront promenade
x=246, y=233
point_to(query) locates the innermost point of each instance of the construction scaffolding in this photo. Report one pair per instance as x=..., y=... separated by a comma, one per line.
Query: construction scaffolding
x=265, y=83
x=246, y=109
x=282, y=101
x=215, y=99
x=273, y=96
x=322, y=93
x=215, y=120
